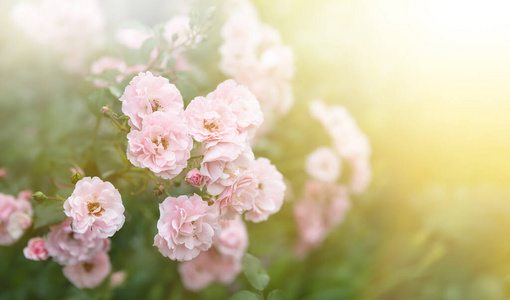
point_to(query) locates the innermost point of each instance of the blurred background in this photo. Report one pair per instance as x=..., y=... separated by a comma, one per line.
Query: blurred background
x=427, y=81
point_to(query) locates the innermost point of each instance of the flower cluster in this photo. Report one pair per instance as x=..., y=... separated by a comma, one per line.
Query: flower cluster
x=218, y=128
x=325, y=202
x=253, y=54
x=80, y=243
x=15, y=217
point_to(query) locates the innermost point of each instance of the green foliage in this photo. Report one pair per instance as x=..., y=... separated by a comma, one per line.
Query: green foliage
x=255, y=272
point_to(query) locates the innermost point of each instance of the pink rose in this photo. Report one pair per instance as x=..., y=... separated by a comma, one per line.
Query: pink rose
x=36, y=249
x=208, y=267
x=323, y=164
x=68, y=247
x=95, y=205
x=89, y=273
x=243, y=104
x=221, y=172
x=239, y=197
x=323, y=206
x=194, y=178
x=187, y=226
x=210, y=121
x=15, y=217
x=233, y=240
x=163, y=145
x=19, y=221
x=147, y=94
x=271, y=191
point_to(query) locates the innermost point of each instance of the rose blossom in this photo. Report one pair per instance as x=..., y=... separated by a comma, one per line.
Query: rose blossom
x=187, y=226
x=323, y=164
x=208, y=267
x=163, y=145
x=221, y=172
x=271, y=191
x=36, y=249
x=233, y=240
x=15, y=217
x=147, y=94
x=243, y=104
x=68, y=247
x=349, y=141
x=95, y=205
x=323, y=206
x=89, y=273
x=239, y=197
x=18, y=222
x=210, y=121
x=194, y=178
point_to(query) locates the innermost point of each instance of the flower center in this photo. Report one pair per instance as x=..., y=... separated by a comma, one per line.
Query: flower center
x=210, y=126
x=161, y=141
x=155, y=105
x=94, y=208
x=88, y=267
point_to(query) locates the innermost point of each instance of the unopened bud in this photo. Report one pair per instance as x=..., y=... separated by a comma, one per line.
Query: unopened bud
x=104, y=109
x=159, y=190
x=40, y=196
x=76, y=177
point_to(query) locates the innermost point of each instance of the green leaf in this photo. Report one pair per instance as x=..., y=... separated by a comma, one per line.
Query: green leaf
x=255, y=272
x=97, y=100
x=275, y=295
x=48, y=213
x=245, y=295
x=147, y=47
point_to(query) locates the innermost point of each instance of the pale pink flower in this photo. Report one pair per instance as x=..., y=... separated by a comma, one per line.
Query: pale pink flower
x=68, y=247
x=95, y=205
x=208, y=267
x=179, y=26
x=117, y=278
x=19, y=222
x=15, y=217
x=349, y=141
x=211, y=121
x=233, y=240
x=243, y=104
x=163, y=145
x=147, y=94
x=222, y=262
x=194, y=178
x=239, y=197
x=187, y=226
x=222, y=172
x=132, y=38
x=89, y=273
x=271, y=191
x=3, y=172
x=323, y=206
x=253, y=55
x=323, y=164
x=36, y=249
